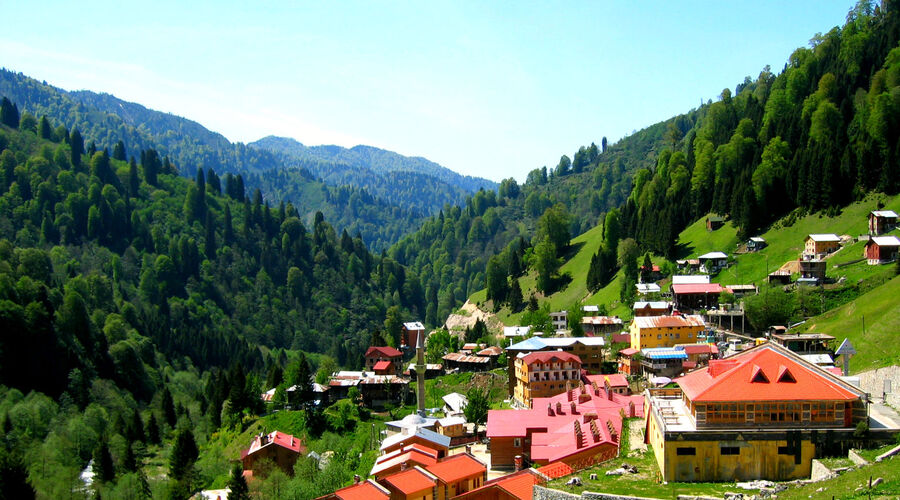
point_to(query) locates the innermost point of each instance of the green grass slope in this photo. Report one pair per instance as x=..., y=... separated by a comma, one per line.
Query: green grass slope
x=786, y=239
x=881, y=311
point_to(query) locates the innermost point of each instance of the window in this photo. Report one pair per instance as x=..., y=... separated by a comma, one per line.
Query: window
x=730, y=450
x=686, y=451
x=517, y=442
x=785, y=450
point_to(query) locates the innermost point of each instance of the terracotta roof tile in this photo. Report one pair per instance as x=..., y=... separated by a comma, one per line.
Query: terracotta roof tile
x=383, y=351
x=411, y=481
x=366, y=490
x=457, y=467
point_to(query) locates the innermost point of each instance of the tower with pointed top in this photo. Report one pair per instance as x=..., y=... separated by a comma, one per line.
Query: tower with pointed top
x=420, y=373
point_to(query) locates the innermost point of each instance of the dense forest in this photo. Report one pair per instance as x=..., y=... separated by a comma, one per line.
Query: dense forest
x=395, y=193
x=125, y=287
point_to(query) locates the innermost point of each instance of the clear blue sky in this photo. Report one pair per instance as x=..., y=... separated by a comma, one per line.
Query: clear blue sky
x=492, y=89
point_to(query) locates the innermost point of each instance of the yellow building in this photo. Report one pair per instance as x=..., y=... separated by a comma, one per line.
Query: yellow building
x=665, y=331
x=762, y=414
x=544, y=374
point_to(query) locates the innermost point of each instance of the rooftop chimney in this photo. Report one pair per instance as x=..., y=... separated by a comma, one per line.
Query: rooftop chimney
x=550, y=410
x=559, y=408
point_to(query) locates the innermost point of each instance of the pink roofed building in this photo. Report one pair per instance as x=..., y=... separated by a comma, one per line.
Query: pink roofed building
x=580, y=427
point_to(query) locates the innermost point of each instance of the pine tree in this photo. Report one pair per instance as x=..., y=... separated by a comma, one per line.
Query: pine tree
x=168, y=407
x=210, y=241
x=134, y=182
x=44, y=130
x=9, y=114
x=76, y=144
x=515, y=295
x=237, y=485
x=119, y=151
x=103, y=464
x=228, y=230
x=184, y=454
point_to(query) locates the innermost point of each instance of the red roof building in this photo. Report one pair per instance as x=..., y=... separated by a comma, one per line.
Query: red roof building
x=375, y=355
x=516, y=486
x=414, y=483
x=616, y=382
x=458, y=474
x=756, y=415
x=366, y=490
x=690, y=296
x=384, y=368
x=282, y=449
x=411, y=455
x=580, y=427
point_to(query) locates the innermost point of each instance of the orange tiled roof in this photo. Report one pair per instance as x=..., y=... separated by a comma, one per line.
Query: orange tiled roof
x=456, y=467
x=411, y=481
x=367, y=490
x=765, y=373
x=383, y=351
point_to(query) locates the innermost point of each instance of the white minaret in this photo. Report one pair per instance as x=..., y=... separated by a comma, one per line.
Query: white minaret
x=420, y=373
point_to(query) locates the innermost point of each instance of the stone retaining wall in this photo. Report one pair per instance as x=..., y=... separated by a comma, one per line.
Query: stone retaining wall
x=542, y=493
x=872, y=381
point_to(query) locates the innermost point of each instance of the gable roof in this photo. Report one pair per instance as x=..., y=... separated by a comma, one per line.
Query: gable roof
x=884, y=241
x=455, y=401
x=409, y=454
x=274, y=438
x=758, y=374
x=427, y=435
x=518, y=485
x=549, y=356
x=457, y=467
x=687, y=320
x=885, y=213
x=690, y=279
x=389, y=352
x=411, y=480
x=651, y=305
x=713, y=255
x=823, y=237
x=414, y=325
x=366, y=490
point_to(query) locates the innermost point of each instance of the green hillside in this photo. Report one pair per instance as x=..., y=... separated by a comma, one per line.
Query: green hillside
x=879, y=309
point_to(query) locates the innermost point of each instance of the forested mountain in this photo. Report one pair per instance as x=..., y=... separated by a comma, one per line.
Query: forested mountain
x=381, y=214
x=451, y=251
x=409, y=181
x=818, y=135
x=124, y=287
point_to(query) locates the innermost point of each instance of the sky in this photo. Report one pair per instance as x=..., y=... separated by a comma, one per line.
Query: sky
x=491, y=89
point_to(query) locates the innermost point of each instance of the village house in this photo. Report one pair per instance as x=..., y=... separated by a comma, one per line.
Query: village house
x=416, y=435
x=647, y=288
x=628, y=362
x=662, y=362
x=665, y=331
x=756, y=243
x=654, y=273
x=492, y=352
x=712, y=262
x=688, y=265
x=741, y=291
x=760, y=414
x=601, y=325
x=882, y=221
x=580, y=427
x=812, y=268
x=805, y=343
x=657, y=308
x=820, y=245
x=588, y=349
x=714, y=222
x=454, y=404
x=544, y=374
x=881, y=249
x=411, y=484
x=451, y=426
x=457, y=361
x=403, y=458
x=690, y=297
x=409, y=332
x=376, y=390
x=560, y=320
x=516, y=486
x=281, y=449
x=515, y=331
x=457, y=474
x=698, y=354
x=383, y=360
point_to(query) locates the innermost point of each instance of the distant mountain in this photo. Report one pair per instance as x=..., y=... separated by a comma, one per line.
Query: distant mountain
x=411, y=181
x=385, y=207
